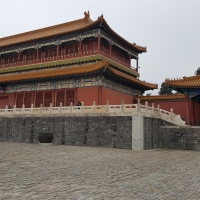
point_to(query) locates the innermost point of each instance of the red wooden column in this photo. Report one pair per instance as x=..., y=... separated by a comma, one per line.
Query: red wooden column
x=137, y=64
x=57, y=57
x=187, y=110
x=37, y=56
x=19, y=58
x=130, y=60
x=193, y=112
x=110, y=50
x=99, y=44
x=79, y=48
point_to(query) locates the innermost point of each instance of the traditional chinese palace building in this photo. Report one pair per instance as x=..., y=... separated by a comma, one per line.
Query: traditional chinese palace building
x=190, y=87
x=81, y=60
x=186, y=103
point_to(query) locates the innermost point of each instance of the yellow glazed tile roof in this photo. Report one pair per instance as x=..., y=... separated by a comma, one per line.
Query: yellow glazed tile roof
x=64, y=28
x=185, y=82
x=161, y=97
x=46, y=32
x=83, y=69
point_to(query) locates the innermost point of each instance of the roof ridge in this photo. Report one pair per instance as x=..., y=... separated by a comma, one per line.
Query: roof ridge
x=45, y=28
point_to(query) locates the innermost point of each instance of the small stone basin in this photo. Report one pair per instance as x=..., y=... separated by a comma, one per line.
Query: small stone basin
x=45, y=137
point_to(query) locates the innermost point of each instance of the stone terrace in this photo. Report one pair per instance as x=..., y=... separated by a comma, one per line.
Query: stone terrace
x=31, y=171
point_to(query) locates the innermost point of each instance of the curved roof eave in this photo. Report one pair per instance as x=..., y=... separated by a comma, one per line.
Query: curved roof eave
x=75, y=70
x=87, y=24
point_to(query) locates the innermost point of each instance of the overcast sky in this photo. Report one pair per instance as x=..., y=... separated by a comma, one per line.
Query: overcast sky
x=170, y=29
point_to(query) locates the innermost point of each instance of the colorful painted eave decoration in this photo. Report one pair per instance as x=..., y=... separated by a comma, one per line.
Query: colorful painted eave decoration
x=185, y=82
x=76, y=70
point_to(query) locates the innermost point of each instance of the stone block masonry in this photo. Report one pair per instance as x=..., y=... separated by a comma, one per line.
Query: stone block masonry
x=97, y=130
x=177, y=137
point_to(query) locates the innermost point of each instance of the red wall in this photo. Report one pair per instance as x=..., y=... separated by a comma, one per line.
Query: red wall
x=101, y=95
x=88, y=95
x=178, y=106
x=7, y=101
x=115, y=97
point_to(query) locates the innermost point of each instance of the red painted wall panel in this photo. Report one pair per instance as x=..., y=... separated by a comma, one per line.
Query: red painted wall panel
x=88, y=95
x=115, y=97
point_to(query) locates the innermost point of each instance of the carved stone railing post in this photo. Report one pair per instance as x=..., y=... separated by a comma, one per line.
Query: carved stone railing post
x=6, y=109
x=31, y=108
x=23, y=109
x=138, y=106
x=14, y=109
x=107, y=106
x=146, y=106
x=153, y=109
x=171, y=114
x=41, y=108
x=50, y=108
x=82, y=107
x=122, y=106
x=71, y=104
x=159, y=113
x=94, y=106
x=60, y=111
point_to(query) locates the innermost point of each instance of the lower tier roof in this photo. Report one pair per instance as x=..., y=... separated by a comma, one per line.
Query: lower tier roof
x=101, y=67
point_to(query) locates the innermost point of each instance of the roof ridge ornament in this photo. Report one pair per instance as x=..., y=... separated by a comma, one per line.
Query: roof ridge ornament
x=87, y=15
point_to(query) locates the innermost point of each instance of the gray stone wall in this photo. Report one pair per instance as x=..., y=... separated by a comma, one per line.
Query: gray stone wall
x=152, y=132
x=180, y=137
x=99, y=131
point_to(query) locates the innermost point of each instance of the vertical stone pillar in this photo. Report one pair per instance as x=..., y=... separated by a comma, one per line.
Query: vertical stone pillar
x=94, y=106
x=60, y=108
x=138, y=132
x=71, y=104
x=138, y=106
x=122, y=106
x=107, y=106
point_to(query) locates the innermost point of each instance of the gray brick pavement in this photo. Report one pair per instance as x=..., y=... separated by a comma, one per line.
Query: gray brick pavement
x=30, y=171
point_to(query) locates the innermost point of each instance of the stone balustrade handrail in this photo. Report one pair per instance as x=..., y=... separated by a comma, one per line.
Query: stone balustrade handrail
x=144, y=110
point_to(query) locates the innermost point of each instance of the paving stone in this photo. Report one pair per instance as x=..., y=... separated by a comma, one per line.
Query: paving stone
x=29, y=171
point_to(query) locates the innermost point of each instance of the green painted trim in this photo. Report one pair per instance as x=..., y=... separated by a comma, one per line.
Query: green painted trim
x=50, y=64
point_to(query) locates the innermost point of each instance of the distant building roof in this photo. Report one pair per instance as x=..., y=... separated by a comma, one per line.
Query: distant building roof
x=161, y=97
x=185, y=82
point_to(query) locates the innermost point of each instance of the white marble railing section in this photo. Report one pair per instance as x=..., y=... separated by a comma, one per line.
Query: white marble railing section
x=143, y=110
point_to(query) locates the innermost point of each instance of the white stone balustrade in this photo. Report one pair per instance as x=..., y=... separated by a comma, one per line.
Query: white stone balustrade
x=123, y=110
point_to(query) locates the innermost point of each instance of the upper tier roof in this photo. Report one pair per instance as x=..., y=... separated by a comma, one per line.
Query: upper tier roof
x=185, y=82
x=69, y=27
